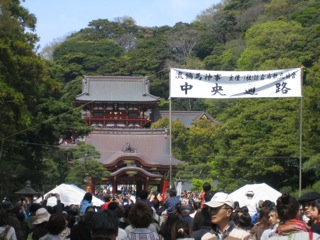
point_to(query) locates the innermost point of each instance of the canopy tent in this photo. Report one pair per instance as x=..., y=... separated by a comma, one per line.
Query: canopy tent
x=261, y=191
x=69, y=194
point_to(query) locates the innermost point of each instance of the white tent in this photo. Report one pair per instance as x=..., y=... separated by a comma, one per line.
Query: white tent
x=69, y=194
x=261, y=191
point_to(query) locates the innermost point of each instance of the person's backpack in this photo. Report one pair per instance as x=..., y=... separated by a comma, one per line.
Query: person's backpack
x=3, y=236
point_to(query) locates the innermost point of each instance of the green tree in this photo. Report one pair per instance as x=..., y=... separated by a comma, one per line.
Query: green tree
x=179, y=136
x=269, y=41
x=84, y=163
x=308, y=16
x=201, y=141
x=311, y=127
x=258, y=138
x=25, y=86
x=79, y=58
x=199, y=151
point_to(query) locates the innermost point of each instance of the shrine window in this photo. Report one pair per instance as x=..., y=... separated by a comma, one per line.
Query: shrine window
x=97, y=114
x=133, y=114
x=115, y=107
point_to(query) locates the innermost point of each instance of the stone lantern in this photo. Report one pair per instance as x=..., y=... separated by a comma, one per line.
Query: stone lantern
x=28, y=192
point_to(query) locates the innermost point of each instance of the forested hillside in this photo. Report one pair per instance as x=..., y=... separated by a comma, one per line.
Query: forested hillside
x=256, y=140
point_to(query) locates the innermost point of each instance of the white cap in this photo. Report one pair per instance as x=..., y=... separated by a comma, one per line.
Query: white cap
x=219, y=199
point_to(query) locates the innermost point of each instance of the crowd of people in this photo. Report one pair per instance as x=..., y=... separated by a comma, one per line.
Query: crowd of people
x=206, y=216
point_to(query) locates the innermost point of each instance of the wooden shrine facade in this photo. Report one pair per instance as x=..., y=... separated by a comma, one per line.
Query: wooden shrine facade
x=116, y=102
x=138, y=157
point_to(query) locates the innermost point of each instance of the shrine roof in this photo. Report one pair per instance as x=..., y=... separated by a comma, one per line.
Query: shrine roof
x=116, y=89
x=186, y=117
x=151, y=146
x=138, y=169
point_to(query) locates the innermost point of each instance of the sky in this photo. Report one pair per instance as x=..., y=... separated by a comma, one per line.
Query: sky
x=59, y=18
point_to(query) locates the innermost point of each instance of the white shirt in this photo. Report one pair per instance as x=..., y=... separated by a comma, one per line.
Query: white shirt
x=121, y=234
x=11, y=235
x=251, y=204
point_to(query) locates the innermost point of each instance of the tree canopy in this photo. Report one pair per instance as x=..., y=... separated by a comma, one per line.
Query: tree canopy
x=254, y=141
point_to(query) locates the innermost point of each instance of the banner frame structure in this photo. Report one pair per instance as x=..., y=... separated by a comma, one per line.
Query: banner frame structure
x=277, y=87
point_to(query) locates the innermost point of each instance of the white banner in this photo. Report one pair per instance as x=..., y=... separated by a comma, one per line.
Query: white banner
x=187, y=83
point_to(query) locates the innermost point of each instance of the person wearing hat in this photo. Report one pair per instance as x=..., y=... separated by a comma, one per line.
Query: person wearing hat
x=310, y=203
x=251, y=203
x=223, y=227
x=55, y=227
x=41, y=223
x=27, y=224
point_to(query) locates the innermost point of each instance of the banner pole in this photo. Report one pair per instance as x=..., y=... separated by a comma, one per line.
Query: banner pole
x=170, y=132
x=300, y=148
x=170, y=137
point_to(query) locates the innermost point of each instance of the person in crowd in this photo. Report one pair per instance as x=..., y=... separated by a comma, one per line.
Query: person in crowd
x=166, y=226
x=107, y=201
x=118, y=209
x=201, y=224
x=85, y=202
x=143, y=196
x=256, y=216
x=90, y=209
x=156, y=206
x=291, y=225
x=242, y=210
x=114, y=206
x=6, y=231
x=307, y=201
x=56, y=224
x=172, y=201
x=128, y=200
x=27, y=224
x=262, y=224
x=70, y=218
x=221, y=208
x=315, y=226
x=208, y=193
x=163, y=217
x=57, y=208
x=73, y=214
x=65, y=234
x=40, y=224
x=105, y=225
x=236, y=206
x=140, y=218
x=183, y=212
x=274, y=220
x=124, y=221
x=251, y=203
x=197, y=208
x=181, y=230
x=12, y=217
x=82, y=230
x=244, y=222
x=22, y=210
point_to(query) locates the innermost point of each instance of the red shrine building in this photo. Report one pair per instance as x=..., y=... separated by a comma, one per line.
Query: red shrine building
x=120, y=110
